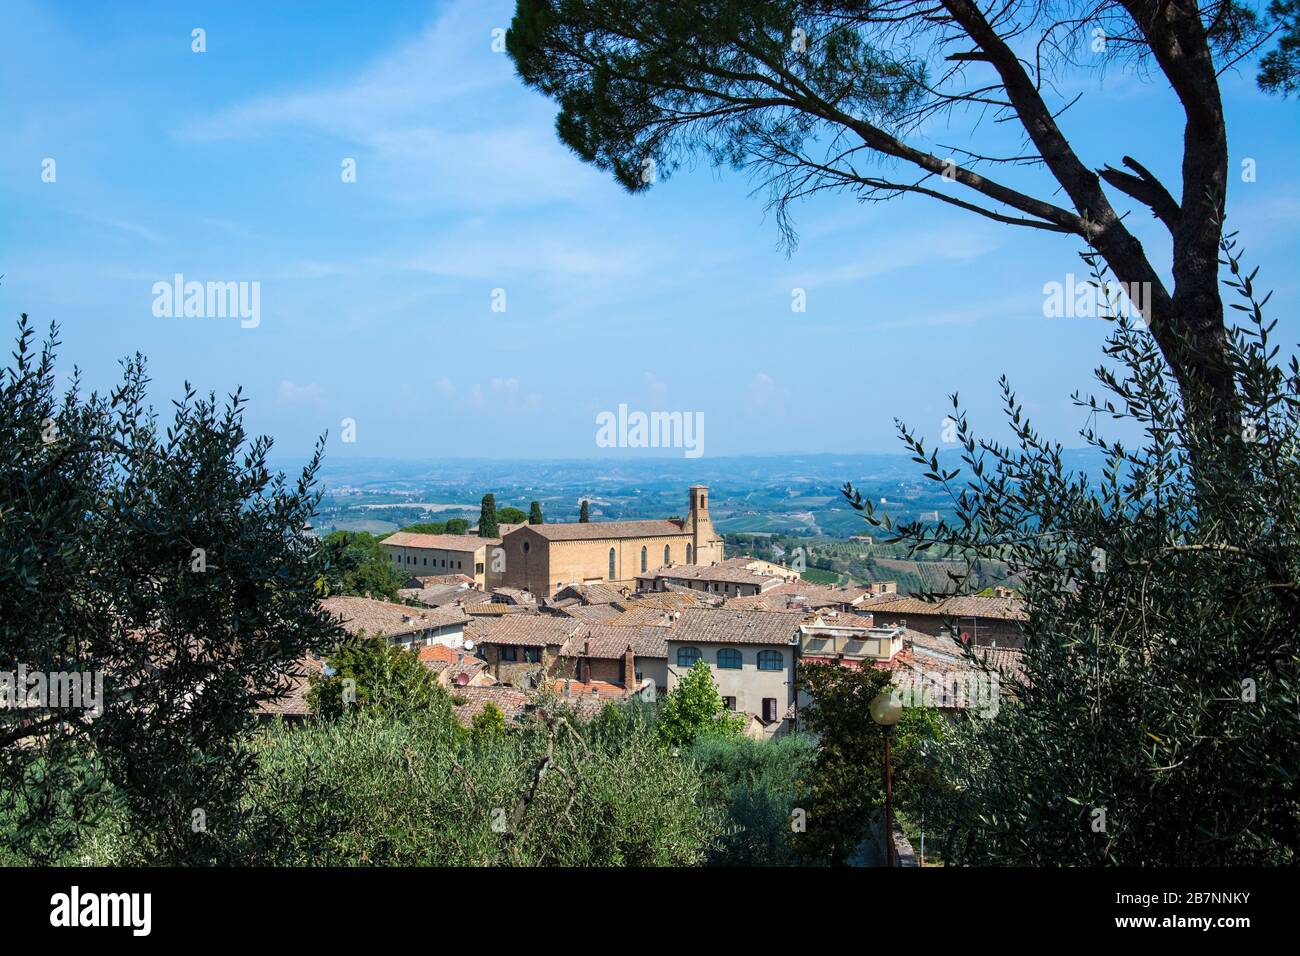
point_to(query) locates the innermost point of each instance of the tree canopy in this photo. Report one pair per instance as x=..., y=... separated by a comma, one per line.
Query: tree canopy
x=811, y=96
x=1155, y=719
x=694, y=708
x=170, y=568
x=511, y=515
x=353, y=562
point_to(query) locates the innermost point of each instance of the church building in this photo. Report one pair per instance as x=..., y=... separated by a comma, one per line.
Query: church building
x=544, y=558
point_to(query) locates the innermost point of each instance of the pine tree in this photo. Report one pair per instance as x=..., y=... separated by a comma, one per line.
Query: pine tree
x=583, y=514
x=535, y=513
x=487, y=517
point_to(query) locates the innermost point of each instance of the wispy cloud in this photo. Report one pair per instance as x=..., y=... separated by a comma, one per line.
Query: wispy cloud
x=294, y=395
x=438, y=120
x=892, y=253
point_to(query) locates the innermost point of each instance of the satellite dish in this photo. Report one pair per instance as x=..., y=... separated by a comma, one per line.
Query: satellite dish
x=462, y=680
x=469, y=645
x=965, y=637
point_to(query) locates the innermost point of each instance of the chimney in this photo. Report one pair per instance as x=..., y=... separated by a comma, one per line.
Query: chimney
x=584, y=663
x=629, y=668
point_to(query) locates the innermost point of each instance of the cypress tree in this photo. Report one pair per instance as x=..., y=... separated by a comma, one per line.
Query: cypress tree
x=487, y=517
x=535, y=513
x=583, y=514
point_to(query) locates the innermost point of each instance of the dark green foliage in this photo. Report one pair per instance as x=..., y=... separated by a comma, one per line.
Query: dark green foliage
x=584, y=513
x=1279, y=70
x=511, y=515
x=487, y=517
x=172, y=561
x=844, y=785
x=845, y=782
x=754, y=782
x=370, y=674
x=384, y=793
x=426, y=527
x=457, y=526
x=1161, y=663
x=354, y=562
x=535, y=513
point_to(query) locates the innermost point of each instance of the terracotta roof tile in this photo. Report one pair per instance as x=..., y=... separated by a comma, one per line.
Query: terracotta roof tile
x=593, y=613
x=296, y=681
x=509, y=701
x=596, y=530
x=383, y=617
x=731, y=626
x=609, y=642
x=442, y=542
x=529, y=630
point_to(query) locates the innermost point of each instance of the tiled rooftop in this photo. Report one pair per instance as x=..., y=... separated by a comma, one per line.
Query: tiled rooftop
x=383, y=617
x=529, y=630
x=465, y=543
x=730, y=626
x=596, y=530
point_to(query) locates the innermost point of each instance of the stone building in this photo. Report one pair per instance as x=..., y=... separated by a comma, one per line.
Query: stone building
x=751, y=654
x=545, y=558
x=416, y=555
x=972, y=619
x=734, y=577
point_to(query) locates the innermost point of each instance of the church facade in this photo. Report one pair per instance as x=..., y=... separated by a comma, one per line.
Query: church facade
x=547, y=557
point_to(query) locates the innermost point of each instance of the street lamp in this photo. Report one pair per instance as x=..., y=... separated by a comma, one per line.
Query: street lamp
x=885, y=709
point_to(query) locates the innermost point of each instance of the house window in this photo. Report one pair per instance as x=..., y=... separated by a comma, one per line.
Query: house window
x=525, y=547
x=426, y=562
x=687, y=656
x=533, y=655
x=688, y=554
x=668, y=555
x=770, y=661
x=729, y=703
x=643, y=560
x=769, y=710
x=478, y=568
x=729, y=659
x=611, y=564
x=509, y=654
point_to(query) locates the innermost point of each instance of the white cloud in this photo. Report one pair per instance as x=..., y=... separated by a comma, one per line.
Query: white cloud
x=439, y=120
x=293, y=394
x=893, y=253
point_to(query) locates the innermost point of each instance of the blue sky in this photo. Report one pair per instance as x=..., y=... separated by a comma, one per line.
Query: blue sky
x=376, y=295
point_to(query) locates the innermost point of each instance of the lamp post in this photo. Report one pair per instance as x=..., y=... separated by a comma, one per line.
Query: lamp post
x=885, y=709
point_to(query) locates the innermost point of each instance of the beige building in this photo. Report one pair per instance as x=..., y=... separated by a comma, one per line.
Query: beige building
x=734, y=577
x=416, y=555
x=545, y=558
x=751, y=655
